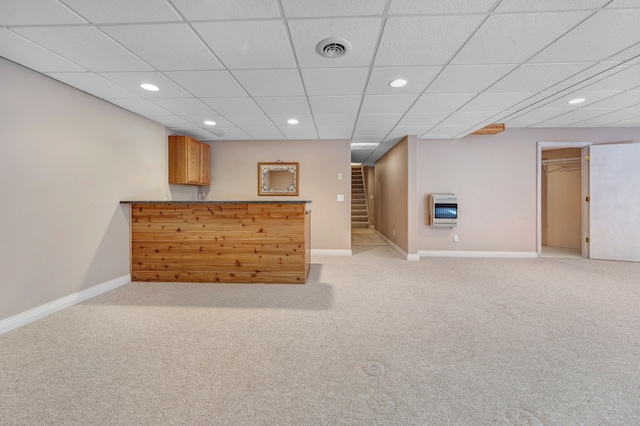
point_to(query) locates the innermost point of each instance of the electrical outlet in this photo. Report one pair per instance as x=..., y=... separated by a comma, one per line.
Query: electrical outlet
x=339, y=176
x=394, y=232
x=340, y=197
x=455, y=239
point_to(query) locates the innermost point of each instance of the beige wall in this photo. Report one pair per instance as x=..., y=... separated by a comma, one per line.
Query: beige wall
x=495, y=177
x=391, y=198
x=67, y=160
x=234, y=176
x=561, y=200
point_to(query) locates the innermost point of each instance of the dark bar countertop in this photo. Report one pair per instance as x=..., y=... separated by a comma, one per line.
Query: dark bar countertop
x=219, y=202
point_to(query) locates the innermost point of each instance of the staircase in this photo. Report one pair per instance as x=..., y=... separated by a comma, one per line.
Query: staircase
x=359, y=216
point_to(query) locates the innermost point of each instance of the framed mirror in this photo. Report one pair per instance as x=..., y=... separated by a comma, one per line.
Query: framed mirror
x=278, y=178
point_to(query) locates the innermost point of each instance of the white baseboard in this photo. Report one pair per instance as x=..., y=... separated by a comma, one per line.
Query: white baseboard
x=410, y=257
x=331, y=252
x=42, y=311
x=451, y=253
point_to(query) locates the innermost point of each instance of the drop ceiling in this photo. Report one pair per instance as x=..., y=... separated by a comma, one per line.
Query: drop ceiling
x=251, y=65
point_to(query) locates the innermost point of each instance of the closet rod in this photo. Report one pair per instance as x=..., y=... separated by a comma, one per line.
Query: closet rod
x=562, y=161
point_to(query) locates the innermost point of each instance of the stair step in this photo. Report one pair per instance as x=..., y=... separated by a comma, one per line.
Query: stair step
x=359, y=225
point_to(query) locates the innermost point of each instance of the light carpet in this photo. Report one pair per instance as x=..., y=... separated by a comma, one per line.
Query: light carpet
x=369, y=340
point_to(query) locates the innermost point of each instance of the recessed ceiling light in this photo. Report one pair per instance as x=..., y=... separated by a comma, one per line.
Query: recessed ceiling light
x=398, y=83
x=149, y=87
x=292, y=121
x=210, y=123
x=577, y=101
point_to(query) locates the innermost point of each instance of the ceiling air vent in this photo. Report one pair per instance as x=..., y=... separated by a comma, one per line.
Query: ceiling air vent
x=333, y=47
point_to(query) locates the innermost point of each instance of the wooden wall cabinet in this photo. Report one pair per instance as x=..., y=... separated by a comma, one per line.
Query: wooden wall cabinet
x=189, y=161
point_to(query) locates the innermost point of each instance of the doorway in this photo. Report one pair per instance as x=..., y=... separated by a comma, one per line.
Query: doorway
x=561, y=202
x=562, y=188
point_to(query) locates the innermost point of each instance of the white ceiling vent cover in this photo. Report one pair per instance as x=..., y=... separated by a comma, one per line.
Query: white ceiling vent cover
x=334, y=47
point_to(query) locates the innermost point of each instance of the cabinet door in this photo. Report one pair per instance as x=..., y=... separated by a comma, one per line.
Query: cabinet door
x=205, y=164
x=193, y=161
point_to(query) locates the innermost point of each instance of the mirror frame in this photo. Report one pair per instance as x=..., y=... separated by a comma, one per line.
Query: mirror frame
x=264, y=168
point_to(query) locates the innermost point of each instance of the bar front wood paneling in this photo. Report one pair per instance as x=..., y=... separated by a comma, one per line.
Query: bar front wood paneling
x=220, y=243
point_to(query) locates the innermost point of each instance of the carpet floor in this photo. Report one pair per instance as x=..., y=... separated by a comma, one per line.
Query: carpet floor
x=371, y=339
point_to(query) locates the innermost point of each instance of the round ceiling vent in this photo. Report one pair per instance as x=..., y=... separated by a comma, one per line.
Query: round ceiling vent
x=334, y=47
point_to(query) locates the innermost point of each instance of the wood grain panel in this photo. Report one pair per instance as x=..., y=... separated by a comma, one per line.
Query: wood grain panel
x=235, y=243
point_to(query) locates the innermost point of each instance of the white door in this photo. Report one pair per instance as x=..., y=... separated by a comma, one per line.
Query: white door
x=614, y=207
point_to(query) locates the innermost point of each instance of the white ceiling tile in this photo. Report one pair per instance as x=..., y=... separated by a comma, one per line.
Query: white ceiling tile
x=196, y=133
x=634, y=122
x=84, y=46
x=363, y=139
x=204, y=84
x=580, y=114
x=386, y=104
x=622, y=100
x=247, y=121
x=335, y=104
x=233, y=106
x=93, y=84
x=422, y=120
x=409, y=130
x=300, y=133
x=361, y=33
x=36, y=12
x=627, y=78
x=590, y=97
x=537, y=77
x=588, y=76
x=168, y=47
x=248, y=44
x=547, y=5
x=198, y=120
x=631, y=54
x=131, y=81
x=417, y=79
x=614, y=116
x=304, y=120
x=335, y=81
x=284, y=105
x=265, y=133
x=373, y=131
x=378, y=120
x=184, y=106
x=594, y=39
x=468, y=78
x=313, y=8
x=414, y=7
x=119, y=11
x=623, y=4
x=140, y=106
x=172, y=121
x=495, y=101
x=235, y=134
x=423, y=40
x=541, y=114
x=551, y=124
x=225, y=9
x=335, y=120
x=444, y=132
x=515, y=38
x=467, y=119
x=29, y=54
x=270, y=82
x=440, y=102
x=335, y=132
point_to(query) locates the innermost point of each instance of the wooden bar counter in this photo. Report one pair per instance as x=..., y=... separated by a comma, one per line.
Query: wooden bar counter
x=220, y=241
